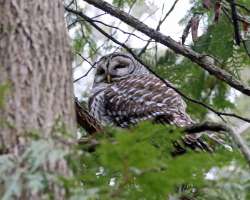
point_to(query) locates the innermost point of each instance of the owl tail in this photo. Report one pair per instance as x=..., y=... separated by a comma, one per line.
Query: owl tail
x=217, y=139
x=196, y=142
x=192, y=142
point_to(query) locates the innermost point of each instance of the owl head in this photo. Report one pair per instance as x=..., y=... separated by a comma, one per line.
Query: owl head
x=116, y=66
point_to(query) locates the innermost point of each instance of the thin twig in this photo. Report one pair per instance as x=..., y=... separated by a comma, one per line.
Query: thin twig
x=84, y=59
x=243, y=6
x=135, y=29
x=130, y=9
x=114, y=27
x=86, y=74
x=70, y=4
x=98, y=15
x=225, y=11
x=158, y=27
x=239, y=16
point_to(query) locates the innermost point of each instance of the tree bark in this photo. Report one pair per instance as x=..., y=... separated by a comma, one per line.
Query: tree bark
x=35, y=64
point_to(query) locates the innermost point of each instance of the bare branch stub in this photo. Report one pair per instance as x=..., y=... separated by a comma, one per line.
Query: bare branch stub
x=85, y=120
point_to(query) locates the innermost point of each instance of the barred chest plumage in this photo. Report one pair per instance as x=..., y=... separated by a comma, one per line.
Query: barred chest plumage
x=137, y=98
x=124, y=93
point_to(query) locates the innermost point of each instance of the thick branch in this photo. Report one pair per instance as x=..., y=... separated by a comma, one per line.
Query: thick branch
x=210, y=126
x=235, y=22
x=91, y=125
x=240, y=6
x=203, y=61
x=206, y=126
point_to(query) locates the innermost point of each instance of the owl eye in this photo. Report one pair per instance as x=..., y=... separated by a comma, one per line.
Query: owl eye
x=101, y=71
x=120, y=66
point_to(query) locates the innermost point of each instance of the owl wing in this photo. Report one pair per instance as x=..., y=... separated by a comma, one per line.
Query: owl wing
x=145, y=97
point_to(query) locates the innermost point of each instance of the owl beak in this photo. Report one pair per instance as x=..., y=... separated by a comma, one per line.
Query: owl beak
x=108, y=78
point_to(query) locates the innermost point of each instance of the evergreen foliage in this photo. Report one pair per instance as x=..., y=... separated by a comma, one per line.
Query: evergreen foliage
x=127, y=164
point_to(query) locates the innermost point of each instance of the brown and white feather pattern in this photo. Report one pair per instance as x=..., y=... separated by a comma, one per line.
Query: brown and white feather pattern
x=137, y=98
x=125, y=93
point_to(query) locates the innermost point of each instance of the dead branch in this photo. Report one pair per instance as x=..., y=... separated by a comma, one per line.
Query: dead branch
x=85, y=120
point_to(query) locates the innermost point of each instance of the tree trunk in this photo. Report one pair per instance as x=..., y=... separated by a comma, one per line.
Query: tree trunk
x=35, y=67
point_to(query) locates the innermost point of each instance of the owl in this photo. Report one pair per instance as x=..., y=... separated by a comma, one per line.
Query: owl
x=125, y=93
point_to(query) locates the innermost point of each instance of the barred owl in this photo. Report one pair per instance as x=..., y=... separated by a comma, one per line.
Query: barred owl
x=125, y=93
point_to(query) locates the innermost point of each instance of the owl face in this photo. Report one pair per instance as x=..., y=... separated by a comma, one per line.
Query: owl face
x=114, y=67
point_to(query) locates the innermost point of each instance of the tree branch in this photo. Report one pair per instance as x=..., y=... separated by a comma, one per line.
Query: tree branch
x=242, y=6
x=91, y=125
x=204, y=61
x=211, y=126
x=84, y=75
x=85, y=120
x=158, y=27
x=135, y=29
x=124, y=32
x=235, y=22
x=205, y=126
x=220, y=114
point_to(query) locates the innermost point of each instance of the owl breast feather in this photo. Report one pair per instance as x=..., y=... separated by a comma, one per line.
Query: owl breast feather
x=138, y=98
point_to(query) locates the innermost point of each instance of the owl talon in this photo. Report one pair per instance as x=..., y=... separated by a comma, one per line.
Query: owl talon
x=178, y=149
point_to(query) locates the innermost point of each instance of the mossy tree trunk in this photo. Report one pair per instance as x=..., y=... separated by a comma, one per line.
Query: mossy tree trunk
x=35, y=64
